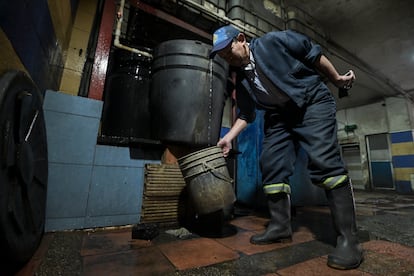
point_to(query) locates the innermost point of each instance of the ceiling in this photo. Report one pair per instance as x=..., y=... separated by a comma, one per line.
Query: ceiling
x=374, y=38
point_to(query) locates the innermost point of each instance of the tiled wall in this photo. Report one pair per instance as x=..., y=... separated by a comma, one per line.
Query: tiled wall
x=402, y=148
x=78, y=45
x=89, y=185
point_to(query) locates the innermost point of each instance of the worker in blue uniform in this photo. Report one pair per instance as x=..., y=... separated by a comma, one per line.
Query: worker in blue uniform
x=280, y=72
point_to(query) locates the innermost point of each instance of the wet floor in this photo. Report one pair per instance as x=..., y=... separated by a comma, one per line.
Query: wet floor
x=386, y=231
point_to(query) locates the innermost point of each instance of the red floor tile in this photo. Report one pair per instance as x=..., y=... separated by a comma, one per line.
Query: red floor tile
x=106, y=242
x=241, y=242
x=385, y=264
x=317, y=267
x=144, y=261
x=197, y=253
x=302, y=235
x=250, y=222
x=389, y=248
x=387, y=258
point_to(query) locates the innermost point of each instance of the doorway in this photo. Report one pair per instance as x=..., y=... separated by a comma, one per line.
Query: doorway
x=380, y=161
x=351, y=155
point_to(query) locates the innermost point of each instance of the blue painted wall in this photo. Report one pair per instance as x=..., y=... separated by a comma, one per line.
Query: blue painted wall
x=89, y=185
x=402, y=148
x=249, y=177
x=29, y=28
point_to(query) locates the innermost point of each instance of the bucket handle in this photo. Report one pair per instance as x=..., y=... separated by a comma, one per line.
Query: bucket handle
x=207, y=167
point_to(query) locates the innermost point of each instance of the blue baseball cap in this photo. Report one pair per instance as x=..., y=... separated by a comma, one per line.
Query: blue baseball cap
x=223, y=37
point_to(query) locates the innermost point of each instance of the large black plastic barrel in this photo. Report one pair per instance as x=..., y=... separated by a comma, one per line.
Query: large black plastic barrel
x=126, y=111
x=187, y=93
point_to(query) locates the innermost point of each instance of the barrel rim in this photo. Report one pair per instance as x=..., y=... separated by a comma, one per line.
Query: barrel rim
x=199, y=152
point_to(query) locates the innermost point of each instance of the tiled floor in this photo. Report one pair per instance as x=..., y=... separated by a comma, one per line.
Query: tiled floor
x=385, y=221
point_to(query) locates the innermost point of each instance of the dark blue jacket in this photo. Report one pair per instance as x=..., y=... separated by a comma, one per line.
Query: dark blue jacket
x=286, y=58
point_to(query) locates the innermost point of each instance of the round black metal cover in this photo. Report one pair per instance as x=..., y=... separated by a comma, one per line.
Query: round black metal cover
x=23, y=169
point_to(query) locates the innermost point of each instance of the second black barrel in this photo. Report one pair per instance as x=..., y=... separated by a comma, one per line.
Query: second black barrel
x=187, y=93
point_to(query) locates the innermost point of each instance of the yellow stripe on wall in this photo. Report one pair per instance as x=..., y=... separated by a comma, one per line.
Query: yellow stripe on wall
x=78, y=43
x=60, y=12
x=406, y=148
x=403, y=173
x=9, y=59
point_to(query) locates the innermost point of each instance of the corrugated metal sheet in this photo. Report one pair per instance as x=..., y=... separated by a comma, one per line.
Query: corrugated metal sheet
x=164, y=196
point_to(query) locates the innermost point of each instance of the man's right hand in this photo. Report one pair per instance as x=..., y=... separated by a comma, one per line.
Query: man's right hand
x=225, y=145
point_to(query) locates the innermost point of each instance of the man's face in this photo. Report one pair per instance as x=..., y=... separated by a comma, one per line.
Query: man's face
x=236, y=53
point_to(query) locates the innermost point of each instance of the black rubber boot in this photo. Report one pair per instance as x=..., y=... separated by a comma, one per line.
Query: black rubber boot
x=348, y=252
x=279, y=228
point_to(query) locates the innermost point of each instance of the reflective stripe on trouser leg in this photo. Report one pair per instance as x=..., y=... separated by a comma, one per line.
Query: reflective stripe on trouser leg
x=334, y=181
x=318, y=137
x=276, y=188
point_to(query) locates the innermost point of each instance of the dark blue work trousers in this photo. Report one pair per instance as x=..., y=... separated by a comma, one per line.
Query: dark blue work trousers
x=312, y=127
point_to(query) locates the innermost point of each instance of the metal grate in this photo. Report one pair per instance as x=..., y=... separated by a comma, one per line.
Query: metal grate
x=164, y=198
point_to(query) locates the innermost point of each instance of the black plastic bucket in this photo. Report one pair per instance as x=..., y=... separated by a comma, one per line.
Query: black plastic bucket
x=208, y=181
x=187, y=93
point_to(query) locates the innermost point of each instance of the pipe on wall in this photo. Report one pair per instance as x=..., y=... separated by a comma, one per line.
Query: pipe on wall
x=117, y=43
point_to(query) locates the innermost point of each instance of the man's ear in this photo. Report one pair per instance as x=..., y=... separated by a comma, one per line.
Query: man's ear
x=241, y=38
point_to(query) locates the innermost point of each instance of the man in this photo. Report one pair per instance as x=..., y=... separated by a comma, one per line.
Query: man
x=279, y=72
